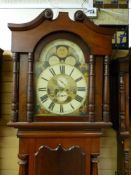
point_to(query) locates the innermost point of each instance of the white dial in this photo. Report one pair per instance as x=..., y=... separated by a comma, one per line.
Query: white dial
x=61, y=89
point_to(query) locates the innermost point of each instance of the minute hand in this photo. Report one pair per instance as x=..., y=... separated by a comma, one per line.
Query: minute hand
x=61, y=83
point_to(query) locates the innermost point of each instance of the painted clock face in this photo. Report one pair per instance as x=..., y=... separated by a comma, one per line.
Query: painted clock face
x=61, y=89
x=61, y=77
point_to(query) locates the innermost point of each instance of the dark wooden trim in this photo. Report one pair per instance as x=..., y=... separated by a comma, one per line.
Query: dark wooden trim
x=15, y=88
x=61, y=134
x=68, y=118
x=47, y=14
x=106, y=90
x=30, y=84
x=61, y=125
x=91, y=92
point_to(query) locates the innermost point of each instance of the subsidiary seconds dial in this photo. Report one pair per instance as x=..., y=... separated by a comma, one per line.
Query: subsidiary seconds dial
x=61, y=89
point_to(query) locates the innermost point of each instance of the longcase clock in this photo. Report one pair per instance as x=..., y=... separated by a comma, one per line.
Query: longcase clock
x=61, y=95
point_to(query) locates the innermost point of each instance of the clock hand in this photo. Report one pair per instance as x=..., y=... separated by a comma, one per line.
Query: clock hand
x=62, y=82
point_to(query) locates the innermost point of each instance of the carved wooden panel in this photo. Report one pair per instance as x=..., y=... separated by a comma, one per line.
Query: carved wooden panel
x=60, y=161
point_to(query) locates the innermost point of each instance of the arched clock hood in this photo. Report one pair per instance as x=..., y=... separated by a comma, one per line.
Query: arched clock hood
x=98, y=38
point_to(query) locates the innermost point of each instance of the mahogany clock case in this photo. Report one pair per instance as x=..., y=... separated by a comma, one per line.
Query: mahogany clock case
x=58, y=141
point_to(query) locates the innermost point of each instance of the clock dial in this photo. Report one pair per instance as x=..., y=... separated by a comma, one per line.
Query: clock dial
x=70, y=60
x=61, y=76
x=62, y=50
x=61, y=89
x=53, y=60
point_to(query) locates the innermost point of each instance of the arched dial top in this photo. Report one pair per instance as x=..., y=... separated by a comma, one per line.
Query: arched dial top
x=62, y=50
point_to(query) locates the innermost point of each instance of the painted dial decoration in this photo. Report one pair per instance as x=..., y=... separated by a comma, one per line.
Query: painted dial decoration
x=61, y=89
x=61, y=78
x=62, y=50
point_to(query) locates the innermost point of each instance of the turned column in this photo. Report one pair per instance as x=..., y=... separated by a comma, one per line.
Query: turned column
x=91, y=104
x=15, y=88
x=126, y=162
x=122, y=102
x=30, y=89
x=106, y=91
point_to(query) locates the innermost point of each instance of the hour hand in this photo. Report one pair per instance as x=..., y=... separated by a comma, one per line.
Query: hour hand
x=62, y=82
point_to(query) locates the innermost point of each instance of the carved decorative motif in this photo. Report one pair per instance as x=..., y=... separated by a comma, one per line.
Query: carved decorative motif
x=60, y=161
x=48, y=13
x=79, y=15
